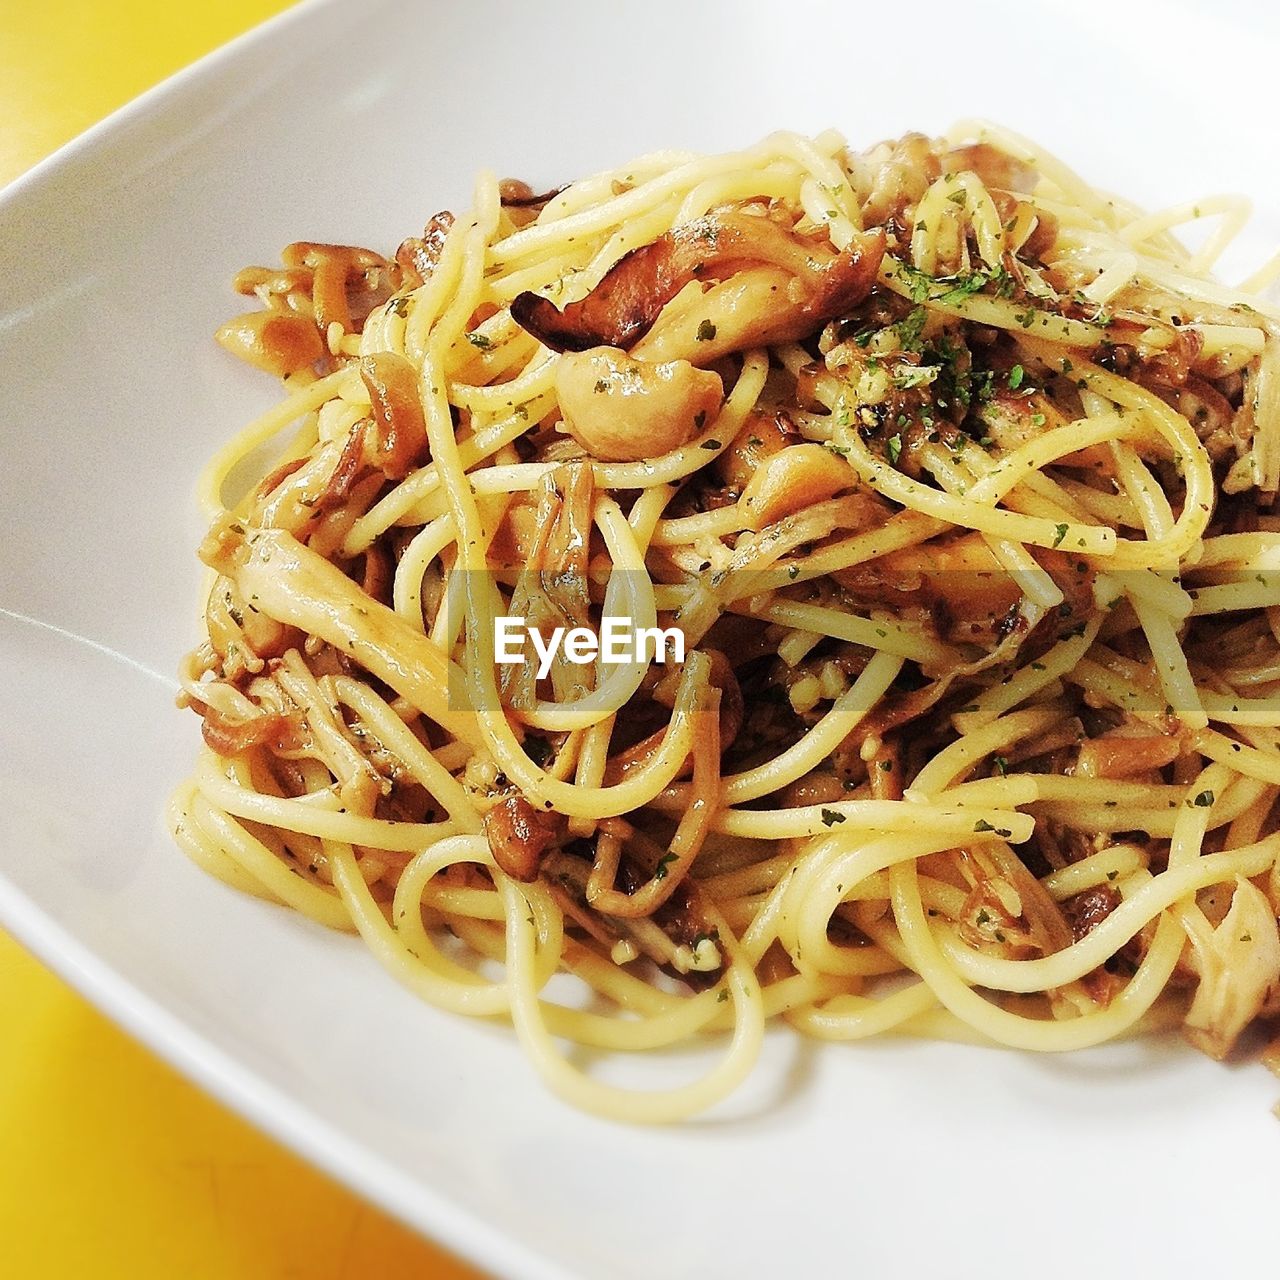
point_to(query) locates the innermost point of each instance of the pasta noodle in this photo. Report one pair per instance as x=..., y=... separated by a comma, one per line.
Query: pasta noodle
x=952, y=482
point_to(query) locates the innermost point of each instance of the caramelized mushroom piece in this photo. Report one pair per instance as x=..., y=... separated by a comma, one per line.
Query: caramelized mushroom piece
x=515, y=194
x=622, y=308
x=519, y=835
x=229, y=737
x=277, y=342
x=417, y=256
x=397, y=440
x=347, y=282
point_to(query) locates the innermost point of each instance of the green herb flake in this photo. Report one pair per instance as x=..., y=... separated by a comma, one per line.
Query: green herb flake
x=914, y=376
x=831, y=816
x=910, y=328
x=982, y=825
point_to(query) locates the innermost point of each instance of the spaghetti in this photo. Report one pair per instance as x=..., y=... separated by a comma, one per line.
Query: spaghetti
x=956, y=476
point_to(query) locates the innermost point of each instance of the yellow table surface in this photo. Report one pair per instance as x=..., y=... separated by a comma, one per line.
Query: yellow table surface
x=111, y=1165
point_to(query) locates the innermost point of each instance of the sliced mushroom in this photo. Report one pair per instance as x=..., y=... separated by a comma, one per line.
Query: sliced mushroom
x=277, y=342
x=793, y=479
x=1126, y=755
x=1239, y=965
x=621, y=410
x=519, y=835
x=228, y=737
x=238, y=632
x=515, y=194
x=763, y=434
x=417, y=256
x=347, y=282
x=396, y=440
x=622, y=308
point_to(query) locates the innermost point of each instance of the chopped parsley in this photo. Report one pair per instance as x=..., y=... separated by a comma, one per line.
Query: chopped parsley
x=914, y=375
x=831, y=816
x=983, y=825
x=909, y=329
x=706, y=331
x=951, y=290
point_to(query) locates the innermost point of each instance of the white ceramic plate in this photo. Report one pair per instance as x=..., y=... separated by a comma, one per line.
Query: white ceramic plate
x=343, y=124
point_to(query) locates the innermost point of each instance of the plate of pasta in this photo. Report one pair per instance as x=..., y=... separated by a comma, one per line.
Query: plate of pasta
x=735, y=656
